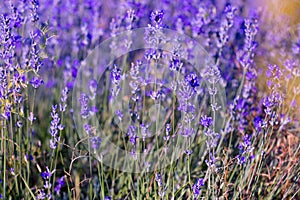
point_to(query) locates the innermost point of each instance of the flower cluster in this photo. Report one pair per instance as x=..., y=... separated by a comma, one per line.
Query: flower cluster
x=149, y=102
x=45, y=192
x=55, y=127
x=197, y=187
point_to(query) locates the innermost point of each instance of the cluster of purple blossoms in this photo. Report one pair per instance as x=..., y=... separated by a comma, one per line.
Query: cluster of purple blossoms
x=247, y=54
x=116, y=79
x=63, y=100
x=246, y=150
x=55, y=127
x=144, y=131
x=34, y=10
x=273, y=101
x=31, y=117
x=131, y=133
x=177, y=54
x=154, y=35
x=60, y=184
x=192, y=79
x=185, y=95
x=94, y=139
x=212, y=136
x=197, y=187
x=206, y=121
x=135, y=80
x=95, y=142
x=84, y=103
x=23, y=48
x=21, y=56
x=36, y=82
x=35, y=59
x=156, y=18
x=226, y=24
x=159, y=182
x=45, y=192
x=168, y=131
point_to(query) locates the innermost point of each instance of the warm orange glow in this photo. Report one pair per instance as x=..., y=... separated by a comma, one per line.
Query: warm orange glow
x=283, y=15
x=288, y=9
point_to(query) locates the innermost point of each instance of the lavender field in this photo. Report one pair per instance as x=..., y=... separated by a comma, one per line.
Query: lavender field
x=140, y=99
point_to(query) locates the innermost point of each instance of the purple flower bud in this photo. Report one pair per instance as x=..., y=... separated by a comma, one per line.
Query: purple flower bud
x=158, y=179
x=155, y=95
x=116, y=75
x=156, y=17
x=46, y=174
x=36, y=82
x=31, y=117
x=84, y=105
x=192, y=79
x=197, y=187
x=34, y=10
x=60, y=184
x=119, y=114
x=19, y=124
x=95, y=142
x=87, y=128
x=206, y=121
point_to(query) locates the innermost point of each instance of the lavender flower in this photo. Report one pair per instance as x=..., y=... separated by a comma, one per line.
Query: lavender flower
x=159, y=182
x=119, y=114
x=31, y=117
x=186, y=131
x=156, y=18
x=130, y=18
x=16, y=16
x=185, y=93
x=46, y=175
x=95, y=142
x=116, y=79
x=168, y=130
x=188, y=152
x=226, y=25
x=144, y=131
x=211, y=161
x=246, y=149
x=212, y=138
x=12, y=171
x=197, y=187
x=258, y=123
x=55, y=127
x=175, y=63
x=60, y=184
x=206, y=121
x=246, y=56
x=34, y=10
x=192, y=79
x=154, y=34
x=19, y=124
x=36, y=82
x=35, y=60
x=7, y=111
x=87, y=128
x=84, y=99
x=63, y=99
x=132, y=134
x=93, y=87
x=155, y=95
